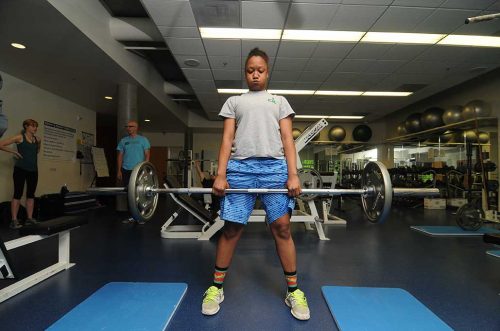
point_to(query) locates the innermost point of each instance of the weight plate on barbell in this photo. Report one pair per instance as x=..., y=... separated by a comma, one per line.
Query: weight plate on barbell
x=377, y=200
x=310, y=178
x=470, y=217
x=142, y=204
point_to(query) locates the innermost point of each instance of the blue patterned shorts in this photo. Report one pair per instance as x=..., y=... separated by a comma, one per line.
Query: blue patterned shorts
x=256, y=173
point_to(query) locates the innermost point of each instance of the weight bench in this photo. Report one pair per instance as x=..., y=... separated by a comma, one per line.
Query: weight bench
x=211, y=223
x=61, y=227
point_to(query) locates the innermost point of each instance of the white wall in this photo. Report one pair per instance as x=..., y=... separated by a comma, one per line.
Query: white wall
x=159, y=139
x=22, y=100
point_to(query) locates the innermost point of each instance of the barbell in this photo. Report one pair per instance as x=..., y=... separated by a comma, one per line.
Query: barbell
x=376, y=191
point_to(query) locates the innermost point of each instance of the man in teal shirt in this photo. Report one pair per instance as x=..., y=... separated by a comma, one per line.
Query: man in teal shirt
x=132, y=150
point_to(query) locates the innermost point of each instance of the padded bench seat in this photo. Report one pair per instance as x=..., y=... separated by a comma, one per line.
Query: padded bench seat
x=54, y=226
x=492, y=238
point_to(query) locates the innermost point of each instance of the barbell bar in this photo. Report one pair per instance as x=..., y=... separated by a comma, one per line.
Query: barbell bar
x=376, y=192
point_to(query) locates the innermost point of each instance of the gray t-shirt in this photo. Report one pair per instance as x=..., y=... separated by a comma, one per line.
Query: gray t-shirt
x=257, y=115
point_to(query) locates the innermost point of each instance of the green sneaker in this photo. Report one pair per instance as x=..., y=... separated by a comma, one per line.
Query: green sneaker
x=298, y=302
x=211, y=300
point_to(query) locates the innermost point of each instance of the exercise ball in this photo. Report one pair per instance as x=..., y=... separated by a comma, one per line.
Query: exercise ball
x=446, y=137
x=453, y=114
x=362, y=133
x=432, y=118
x=476, y=108
x=401, y=129
x=412, y=123
x=484, y=137
x=336, y=133
x=470, y=135
x=296, y=133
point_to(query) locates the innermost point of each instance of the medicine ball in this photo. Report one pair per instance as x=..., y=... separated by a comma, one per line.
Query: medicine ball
x=484, y=137
x=401, y=129
x=432, y=118
x=336, y=133
x=412, y=123
x=362, y=133
x=296, y=133
x=476, y=108
x=453, y=114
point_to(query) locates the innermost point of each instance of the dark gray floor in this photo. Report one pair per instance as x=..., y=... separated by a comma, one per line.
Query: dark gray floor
x=452, y=276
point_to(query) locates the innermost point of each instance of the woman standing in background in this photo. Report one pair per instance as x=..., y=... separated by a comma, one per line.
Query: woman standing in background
x=25, y=169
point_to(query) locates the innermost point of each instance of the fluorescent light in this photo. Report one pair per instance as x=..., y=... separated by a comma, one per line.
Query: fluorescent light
x=232, y=90
x=386, y=94
x=322, y=35
x=338, y=117
x=465, y=40
x=17, y=45
x=108, y=97
x=401, y=38
x=238, y=33
x=147, y=120
x=338, y=93
x=293, y=92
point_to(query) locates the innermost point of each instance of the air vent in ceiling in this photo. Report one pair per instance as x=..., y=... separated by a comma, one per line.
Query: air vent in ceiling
x=216, y=13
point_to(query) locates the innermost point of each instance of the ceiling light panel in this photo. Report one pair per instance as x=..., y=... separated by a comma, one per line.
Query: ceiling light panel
x=237, y=33
x=401, y=38
x=466, y=40
x=323, y=35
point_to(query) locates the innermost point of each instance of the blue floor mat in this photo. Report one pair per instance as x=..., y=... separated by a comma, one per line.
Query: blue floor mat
x=372, y=308
x=452, y=231
x=125, y=306
x=495, y=253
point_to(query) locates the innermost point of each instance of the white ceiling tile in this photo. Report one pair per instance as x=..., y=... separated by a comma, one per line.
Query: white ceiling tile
x=404, y=52
x=369, y=51
x=310, y=16
x=263, y=15
x=332, y=50
x=317, y=64
x=368, y=2
x=179, y=32
x=222, y=47
x=315, y=1
x=428, y=67
x=297, y=49
x=401, y=19
x=419, y=3
x=350, y=65
x=495, y=6
x=281, y=85
x=285, y=76
x=200, y=58
x=467, y=4
x=170, y=13
x=225, y=62
x=203, y=86
x=365, y=17
x=187, y=46
x=314, y=76
x=385, y=66
x=290, y=64
x=268, y=46
x=208, y=97
x=303, y=85
x=444, y=21
x=198, y=74
x=485, y=55
x=394, y=81
x=227, y=74
x=442, y=52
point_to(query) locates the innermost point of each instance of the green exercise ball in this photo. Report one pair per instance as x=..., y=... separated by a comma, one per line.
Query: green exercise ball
x=476, y=108
x=453, y=114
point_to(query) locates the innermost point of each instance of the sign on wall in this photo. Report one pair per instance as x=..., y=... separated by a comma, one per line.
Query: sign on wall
x=59, y=142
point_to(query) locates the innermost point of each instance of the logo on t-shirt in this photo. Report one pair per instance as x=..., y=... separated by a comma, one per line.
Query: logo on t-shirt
x=272, y=100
